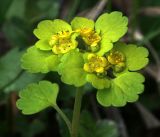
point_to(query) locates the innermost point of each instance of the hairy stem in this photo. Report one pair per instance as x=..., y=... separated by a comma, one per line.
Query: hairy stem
x=76, y=112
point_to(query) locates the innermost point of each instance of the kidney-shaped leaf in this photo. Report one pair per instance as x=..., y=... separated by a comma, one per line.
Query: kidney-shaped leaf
x=136, y=57
x=35, y=60
x=112, y=25
x=71, y=69
x=37, y=97
x=125, y=88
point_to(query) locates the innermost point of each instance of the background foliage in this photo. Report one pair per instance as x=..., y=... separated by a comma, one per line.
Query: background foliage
x=18, y=18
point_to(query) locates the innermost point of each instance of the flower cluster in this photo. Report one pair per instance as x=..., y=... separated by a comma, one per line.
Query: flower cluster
x=90, y=52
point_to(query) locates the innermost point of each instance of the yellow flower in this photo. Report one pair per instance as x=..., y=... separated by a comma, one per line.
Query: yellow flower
x=89, y=36
x=117, y=59
x=63, y=42
x=96, y=64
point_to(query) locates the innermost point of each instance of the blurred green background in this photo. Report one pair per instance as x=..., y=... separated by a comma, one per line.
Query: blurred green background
x=18, y=18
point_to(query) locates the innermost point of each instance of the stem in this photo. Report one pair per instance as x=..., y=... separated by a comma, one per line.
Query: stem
x=64, y=117
x=76, y=112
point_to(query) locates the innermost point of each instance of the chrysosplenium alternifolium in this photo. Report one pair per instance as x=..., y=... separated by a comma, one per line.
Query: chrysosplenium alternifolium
x=85, y=51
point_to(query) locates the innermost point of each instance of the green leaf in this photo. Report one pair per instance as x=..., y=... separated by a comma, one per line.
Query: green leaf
x=17, y=32
x=43, y=45
x=35, y=60
x=60, y=25
x=112, y=25
x=136, y=57
x=47, y=28
x=44, y=29
x=91, y=128
x=10, y=67
x=125, y=88
x=71, y=69
x=81, y=22
x=5, y=5
x=22, y=81
x=36, y=97
x=106, y=128
x=105, y=46
x=99, y=83
x=39, y=9
x=13, y=12
x=33, y=127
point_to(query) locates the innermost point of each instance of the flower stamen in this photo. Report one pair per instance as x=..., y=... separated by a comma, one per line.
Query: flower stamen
x=63, y=42
x=96, y=64
x=117, y=59
x=90, y=37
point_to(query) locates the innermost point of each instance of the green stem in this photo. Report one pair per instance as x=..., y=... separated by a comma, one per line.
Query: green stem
x=64, y=117
x=76, y=112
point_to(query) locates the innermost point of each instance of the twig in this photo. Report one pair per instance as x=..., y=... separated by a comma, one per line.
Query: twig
x=64, y=8
x=150, y=71
x=150, y=11
x=139, y=36
x=12, y=81
x=95, y=11
x=150, y=120
x=115, y=114
x=12, y=112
